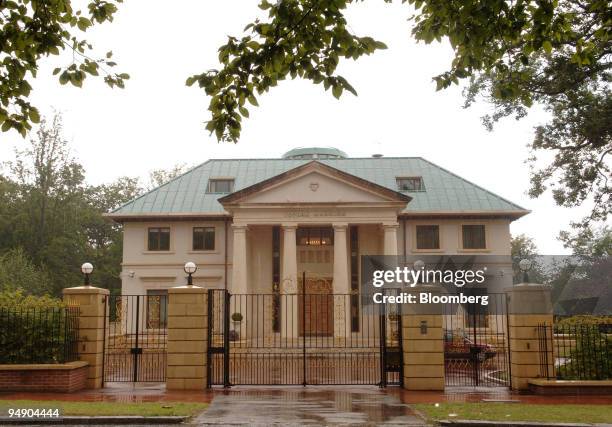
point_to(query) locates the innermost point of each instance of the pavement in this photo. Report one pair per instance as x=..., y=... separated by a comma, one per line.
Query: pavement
x=291, y=405
x=308, y=406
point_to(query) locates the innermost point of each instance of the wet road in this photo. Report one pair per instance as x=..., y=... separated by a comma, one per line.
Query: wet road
x=310, y=406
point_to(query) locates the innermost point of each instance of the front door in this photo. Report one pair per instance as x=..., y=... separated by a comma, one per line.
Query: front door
x=316, y=306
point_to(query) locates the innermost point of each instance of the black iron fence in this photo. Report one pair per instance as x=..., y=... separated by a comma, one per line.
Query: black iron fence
x=135, y=339
x=476, y=343
x=38, y=335
x=575, y=352
x=300, y=339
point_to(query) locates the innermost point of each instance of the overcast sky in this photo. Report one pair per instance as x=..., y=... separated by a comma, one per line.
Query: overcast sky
x=157, y=122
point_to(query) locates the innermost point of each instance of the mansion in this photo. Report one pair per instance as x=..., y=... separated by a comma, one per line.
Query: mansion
x=254, y=226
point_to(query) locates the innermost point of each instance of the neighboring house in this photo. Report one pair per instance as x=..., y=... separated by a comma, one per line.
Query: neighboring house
x=254, y=225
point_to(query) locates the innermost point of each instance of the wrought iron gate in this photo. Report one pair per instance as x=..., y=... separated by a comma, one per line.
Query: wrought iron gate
x=476, y=343
x=135, y=338
x=300, y=339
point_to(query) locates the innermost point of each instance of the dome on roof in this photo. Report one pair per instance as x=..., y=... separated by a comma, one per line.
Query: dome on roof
x=315, y=153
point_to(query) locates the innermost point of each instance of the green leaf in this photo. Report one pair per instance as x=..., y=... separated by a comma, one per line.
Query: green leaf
x=337, y=91
x=547, y=46
x=253, y=100
x=34, y=116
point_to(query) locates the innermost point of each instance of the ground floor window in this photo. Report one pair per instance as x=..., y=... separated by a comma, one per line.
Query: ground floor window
x=157, y=308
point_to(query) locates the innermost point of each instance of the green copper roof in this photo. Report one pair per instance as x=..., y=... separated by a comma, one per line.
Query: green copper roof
x=444, y=191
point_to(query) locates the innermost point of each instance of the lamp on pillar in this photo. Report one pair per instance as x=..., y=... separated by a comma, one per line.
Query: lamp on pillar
x=86, y=269
x=190, y=268
x=525, y=265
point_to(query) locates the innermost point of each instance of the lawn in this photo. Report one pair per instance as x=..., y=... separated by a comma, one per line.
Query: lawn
x=516, y=412
x=148, y=409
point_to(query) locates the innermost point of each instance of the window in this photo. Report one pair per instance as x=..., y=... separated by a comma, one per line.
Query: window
x=220, y=186
x=414, y=183
x=314, y=236
x=159, y=239
x=157, y=308
x=203, y=238
x=474, y=237
x=427, y=237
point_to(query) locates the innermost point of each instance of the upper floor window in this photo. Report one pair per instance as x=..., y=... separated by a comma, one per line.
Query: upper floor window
x=474, y=236
x=159, y=239
x=413, y=183
x=224, y=185
x=203, y=238
x=311, y=236
x=427, y=237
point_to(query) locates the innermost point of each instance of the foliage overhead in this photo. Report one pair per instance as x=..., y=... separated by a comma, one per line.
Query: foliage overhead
x=512, y=53
x=32, y=30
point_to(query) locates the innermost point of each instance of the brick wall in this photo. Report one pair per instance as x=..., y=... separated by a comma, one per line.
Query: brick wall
x=66, y=378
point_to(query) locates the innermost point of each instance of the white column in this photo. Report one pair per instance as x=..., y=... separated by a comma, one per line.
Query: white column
x=341, y=284
x=341, y=274
x=390, y=239
x=239, y=261
x=288, y=285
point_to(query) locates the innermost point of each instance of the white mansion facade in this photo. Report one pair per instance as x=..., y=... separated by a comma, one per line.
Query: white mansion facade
x=255, y=225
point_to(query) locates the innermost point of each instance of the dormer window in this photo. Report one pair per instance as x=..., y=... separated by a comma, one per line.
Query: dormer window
x=410, y=183
x=220, y=185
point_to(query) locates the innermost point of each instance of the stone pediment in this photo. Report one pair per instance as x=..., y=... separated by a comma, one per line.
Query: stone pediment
x=314, y=183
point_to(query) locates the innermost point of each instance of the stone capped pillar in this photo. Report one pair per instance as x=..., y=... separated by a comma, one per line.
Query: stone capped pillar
x=187, y=338
x=239, y=262
x=92, y=308
x=341, y=282
x=289, y=283
x=423, y=343
x=529, y=305
x=390, y=239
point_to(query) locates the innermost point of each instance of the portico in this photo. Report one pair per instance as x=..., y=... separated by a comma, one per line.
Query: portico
x=313, y=199
x=314, y=195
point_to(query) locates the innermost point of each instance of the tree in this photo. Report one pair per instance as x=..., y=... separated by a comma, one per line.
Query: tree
x=33, y=30
x=18, y=273
x=514, y=53
x=50, y=212
x=523, y=247
x=158, y=177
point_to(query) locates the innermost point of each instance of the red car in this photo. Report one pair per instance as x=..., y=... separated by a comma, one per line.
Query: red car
x=459, y=346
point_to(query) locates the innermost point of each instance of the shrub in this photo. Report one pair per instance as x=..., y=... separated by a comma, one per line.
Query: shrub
x=585, y=319
x=590, y=357
x=36, y=329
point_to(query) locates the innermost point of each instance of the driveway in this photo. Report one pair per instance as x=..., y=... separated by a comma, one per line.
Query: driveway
x=310, y=405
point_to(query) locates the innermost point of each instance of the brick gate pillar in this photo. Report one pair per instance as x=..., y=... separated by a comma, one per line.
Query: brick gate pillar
x=528, y=306
x=423, y=343
x=92, y=305
x=187, y=338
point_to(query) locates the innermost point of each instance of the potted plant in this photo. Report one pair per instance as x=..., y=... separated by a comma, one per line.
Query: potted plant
x=235, y=333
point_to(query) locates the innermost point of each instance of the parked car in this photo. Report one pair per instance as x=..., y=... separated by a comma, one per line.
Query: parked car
x=458, y=346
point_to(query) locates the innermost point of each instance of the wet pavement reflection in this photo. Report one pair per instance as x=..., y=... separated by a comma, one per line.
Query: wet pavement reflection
x=310, y=405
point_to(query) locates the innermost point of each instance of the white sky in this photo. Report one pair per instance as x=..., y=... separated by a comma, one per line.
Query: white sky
x=157, y=122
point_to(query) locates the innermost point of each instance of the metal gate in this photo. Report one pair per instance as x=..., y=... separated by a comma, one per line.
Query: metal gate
x=476, y=343
x=135, y=338
x=300, y=339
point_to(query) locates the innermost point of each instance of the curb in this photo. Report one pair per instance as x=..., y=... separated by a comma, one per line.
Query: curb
x=83, y=420
x=479, y=423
